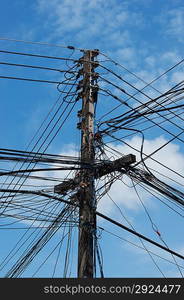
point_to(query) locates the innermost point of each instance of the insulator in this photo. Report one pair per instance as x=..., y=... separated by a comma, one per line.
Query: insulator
x=95, y=52
x=80, y=73
x=95, y=75
x=80, y=95
x=79, y=126
x=79, y=113
x=95, y=64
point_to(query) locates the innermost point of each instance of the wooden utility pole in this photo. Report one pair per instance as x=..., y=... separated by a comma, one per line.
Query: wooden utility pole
x=85, y=197
x=87, y=201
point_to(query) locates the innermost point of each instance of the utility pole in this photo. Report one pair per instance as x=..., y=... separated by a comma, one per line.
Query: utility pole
x=84, y=182
x=87, y=200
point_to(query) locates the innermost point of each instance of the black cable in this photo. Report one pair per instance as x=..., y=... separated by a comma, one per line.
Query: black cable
x=155, y=183
x=139, y=122
x=37, y=55
x=67, y=253
x=135, y=245
x=154, y=227
x=42, y=43
x=49, y=113
x=139, y=238
x=156, y=192
x=24, y=235
x=136, y=111
x=153, y=112
x=138, y=77
x=40, y=170
x=23, y=262
x=35, y=67
x=22, y=238
x=145, y=104
x=10, y=255
x=44, y=122
x=138, y=90
x=57, y=245
x=138, y=234
x=33, y=80
x=135, y=149
x=158, y=149
x=148, y=119
x=99, y=260
x=52, y=130
x=57, y=259
x=39, y=193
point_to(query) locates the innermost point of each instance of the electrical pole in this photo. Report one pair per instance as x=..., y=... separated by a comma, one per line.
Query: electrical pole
x=87, y=201
x=84, y=182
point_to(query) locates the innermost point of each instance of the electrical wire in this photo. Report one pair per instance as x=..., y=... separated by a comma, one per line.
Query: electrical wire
x=41, y=43
x=137, y=246
x=33, y=80
x=34, y=67
x=154, y=227
x=153, y=260
x=37, y=55
x=139, y=235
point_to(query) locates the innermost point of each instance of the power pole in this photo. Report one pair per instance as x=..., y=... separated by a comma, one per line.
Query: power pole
x=83, y=184
x=87, y=200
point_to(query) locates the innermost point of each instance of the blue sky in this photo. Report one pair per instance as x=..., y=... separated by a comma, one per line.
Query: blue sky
x=145, y=37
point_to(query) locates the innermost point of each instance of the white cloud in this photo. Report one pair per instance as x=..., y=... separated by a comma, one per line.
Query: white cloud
x=171, y=56
x=168, y=266
x=113, y=27
x=125, y=54
x=174, y=22
x=86, y=20
x=176, y=25
x=122, y=194
x=177, y=77
x=171, y=155
x=125, y=196
x=150, y=60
